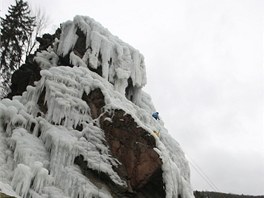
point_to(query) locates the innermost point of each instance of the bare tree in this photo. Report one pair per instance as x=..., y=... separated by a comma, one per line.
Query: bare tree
x=41, y=22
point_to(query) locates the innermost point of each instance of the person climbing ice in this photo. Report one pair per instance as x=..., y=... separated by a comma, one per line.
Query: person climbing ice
x=156, y=115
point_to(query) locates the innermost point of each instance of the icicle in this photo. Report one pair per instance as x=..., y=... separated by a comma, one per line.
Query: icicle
x=121, y=82
x=68, y=38
x=22, y=179
x=83, y=24
x=96, y=39
x=105, y=50
x=41, y=177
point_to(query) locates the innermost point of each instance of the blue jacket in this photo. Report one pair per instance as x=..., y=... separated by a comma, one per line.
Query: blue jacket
x=156, y=115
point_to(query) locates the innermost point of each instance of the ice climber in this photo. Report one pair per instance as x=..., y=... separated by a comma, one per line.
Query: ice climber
x=156, y=115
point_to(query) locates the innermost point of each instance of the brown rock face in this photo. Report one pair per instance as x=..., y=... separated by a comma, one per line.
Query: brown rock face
x=132, y=146
x=2, y=195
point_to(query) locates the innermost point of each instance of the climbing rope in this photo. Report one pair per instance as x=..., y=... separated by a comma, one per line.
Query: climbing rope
x=203, y=175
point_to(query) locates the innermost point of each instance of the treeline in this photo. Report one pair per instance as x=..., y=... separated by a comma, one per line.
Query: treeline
x=206, y=194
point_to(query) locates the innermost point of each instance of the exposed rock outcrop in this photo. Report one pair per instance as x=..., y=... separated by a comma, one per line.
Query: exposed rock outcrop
x=2, y=195
x=47, y=40
x=132, y=146
x=26, y=75
x=29, y=72
x=129, y=143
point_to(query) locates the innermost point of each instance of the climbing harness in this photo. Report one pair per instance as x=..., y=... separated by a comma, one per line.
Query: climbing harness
x=157, y=133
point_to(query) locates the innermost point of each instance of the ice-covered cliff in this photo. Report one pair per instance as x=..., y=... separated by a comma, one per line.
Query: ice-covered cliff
x=84, y=127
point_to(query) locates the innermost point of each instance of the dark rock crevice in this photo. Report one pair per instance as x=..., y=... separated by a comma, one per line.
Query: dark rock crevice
x=129, y=90
x=41, y=102
x=95, y=100
x=80, y=45
x=154, y=188
x=65, y=61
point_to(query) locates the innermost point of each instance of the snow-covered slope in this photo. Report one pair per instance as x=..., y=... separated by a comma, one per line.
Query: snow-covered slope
x=47, y=129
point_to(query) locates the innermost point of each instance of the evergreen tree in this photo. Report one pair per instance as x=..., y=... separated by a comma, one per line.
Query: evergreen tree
x=16, y=31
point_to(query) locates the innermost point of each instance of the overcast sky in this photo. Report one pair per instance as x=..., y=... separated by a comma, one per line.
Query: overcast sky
x=204, y=62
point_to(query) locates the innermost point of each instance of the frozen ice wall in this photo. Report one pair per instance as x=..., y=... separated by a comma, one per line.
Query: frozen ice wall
x=40, y=136
x=91, y=45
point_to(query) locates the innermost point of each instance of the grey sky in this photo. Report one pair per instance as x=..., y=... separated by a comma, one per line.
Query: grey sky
x=204, y=62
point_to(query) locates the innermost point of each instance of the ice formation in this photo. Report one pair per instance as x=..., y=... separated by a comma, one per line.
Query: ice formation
x=38, y=147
